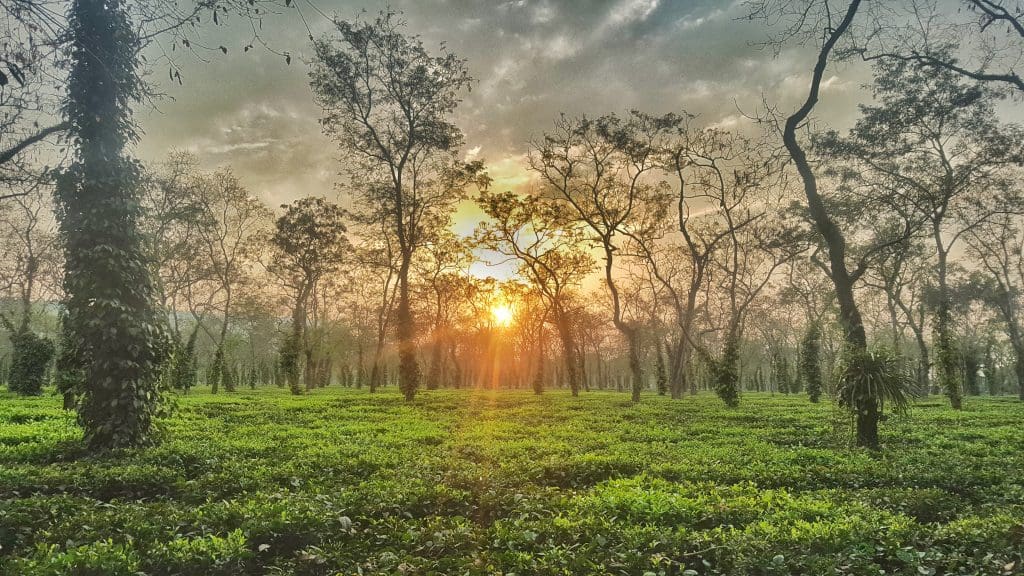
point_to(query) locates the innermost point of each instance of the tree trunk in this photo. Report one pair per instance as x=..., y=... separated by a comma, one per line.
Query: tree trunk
x=110, y=311
x=408, y=368
x=1017, y=341
x=568, y=350
x=949, y=376
x=923, y=363
x=635, y=367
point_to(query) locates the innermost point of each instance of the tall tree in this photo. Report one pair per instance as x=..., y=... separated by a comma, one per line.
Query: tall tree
x=596, y=168
x=550, y=253
x=804, y=22
x=309, y=242
x=934, y=140
x=112, y=324
x=999, y=248
x=232, y=221
x=388, y=102
x=29, y=272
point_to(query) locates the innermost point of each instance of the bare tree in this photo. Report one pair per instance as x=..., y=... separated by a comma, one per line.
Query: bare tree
x=388, y=102
x=597, y=169
x=549, y=251
x=998, y=246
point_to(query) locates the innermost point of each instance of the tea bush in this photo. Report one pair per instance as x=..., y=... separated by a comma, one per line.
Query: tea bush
x=344, y=482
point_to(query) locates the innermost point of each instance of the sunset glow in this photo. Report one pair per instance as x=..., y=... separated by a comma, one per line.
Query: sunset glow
x=503, y=314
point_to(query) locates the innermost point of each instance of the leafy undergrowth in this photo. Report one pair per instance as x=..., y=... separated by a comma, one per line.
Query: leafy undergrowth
x=342, y=482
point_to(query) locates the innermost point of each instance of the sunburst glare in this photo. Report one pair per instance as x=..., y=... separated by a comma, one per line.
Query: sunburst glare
x=503, y=314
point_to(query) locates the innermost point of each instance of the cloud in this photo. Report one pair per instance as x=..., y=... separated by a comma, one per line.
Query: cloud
x=533, y=58
x=629, y=11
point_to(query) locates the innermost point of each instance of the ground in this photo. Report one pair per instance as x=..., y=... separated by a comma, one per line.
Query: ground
x=344, y=482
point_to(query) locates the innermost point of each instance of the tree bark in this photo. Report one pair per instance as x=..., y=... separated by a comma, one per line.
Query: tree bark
x=565, y=334
x=867, y=413
x=408, y=368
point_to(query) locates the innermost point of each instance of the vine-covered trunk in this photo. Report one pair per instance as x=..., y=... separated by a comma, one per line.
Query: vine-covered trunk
x=945, y=348
x=1017, y=342
x=110, y=317
x=855, y=337
x=360, y=368
x=924, y=363
x=662, y=374
x=568, y=350
x=635, y=367
x=538, y=376
x=223, y=375
x=293, y=344
x=727, y=369
x=408, y=366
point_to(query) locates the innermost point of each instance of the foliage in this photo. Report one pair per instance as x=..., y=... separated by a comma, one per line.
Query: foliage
x=661, y=374
x=875, y=375
x=389, y=103
x=726, y=373
x=810, y=361
x=114, y=329
x=339, y=481
x=31, y=356
x=181, y=366
x=309, y=240
x=289, y=363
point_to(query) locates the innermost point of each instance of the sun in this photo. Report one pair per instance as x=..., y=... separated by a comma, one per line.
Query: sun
x=502, y=315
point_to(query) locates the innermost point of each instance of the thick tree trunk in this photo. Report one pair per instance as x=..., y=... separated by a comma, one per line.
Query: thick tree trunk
x=110, y=311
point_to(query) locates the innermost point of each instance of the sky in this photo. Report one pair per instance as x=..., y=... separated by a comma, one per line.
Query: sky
x=532, y=60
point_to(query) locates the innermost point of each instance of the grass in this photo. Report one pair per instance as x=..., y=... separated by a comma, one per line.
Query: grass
x=342, y=482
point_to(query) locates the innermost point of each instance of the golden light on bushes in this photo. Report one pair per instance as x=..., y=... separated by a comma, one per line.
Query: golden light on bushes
x=502, y=314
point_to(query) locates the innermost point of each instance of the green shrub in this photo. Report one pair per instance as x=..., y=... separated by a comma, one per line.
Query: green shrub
x=476, y=482
x=31, y=355
x=209, y=555
x=103, y=558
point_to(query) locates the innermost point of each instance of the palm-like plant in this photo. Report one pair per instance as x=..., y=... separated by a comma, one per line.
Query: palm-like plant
x=872, y=378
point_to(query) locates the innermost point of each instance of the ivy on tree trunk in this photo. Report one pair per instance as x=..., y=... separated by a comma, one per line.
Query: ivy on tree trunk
x=111, y=323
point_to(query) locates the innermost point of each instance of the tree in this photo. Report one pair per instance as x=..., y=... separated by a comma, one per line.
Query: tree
x=741, y=184
x=309, y=242
x=230, y=223
x=904, y=274
x=999, y=248
x=442, y=267
x=983, y=43
x=803, y=22
x=112, y=333
x=596, y=168
x=549, y=251
x=933, y=140
x=112, y=324
x=388, y=103
x=29, y=270
x=810, y=361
